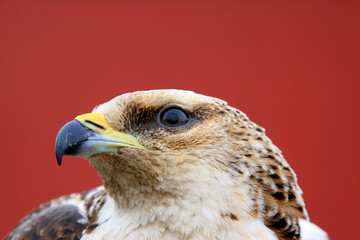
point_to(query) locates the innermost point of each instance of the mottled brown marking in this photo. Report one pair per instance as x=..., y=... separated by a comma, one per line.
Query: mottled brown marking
x=230, y=216
x=56, y=222
x=91, y=228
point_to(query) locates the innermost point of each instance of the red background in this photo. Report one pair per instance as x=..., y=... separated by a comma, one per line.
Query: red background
x=292, y=66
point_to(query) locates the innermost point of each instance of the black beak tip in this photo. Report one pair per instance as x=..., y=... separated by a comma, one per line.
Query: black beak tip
x=69, y=138
x=59, y=148
x=59, y=156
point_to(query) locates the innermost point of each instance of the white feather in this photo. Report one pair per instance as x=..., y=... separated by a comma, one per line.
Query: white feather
x=310, y=231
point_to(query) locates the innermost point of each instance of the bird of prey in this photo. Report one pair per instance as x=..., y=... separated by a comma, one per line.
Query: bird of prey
x=174, y=165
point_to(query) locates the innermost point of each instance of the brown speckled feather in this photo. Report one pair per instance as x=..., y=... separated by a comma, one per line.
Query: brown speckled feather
x=274, y=189
x=65, y=218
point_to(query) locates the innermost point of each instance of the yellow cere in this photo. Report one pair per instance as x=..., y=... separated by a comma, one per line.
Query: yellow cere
x=97, y=123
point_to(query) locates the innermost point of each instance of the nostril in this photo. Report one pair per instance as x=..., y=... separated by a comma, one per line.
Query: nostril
x=95, y=124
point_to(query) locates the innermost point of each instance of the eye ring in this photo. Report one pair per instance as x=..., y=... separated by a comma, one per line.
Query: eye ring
x=173, y=117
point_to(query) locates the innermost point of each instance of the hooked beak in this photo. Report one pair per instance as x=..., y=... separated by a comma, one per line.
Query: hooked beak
x=89, y=134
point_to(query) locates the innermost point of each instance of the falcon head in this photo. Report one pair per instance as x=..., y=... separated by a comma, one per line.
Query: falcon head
x=174, y=147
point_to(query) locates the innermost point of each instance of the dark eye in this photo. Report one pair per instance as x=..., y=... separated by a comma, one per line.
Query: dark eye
x=173, y=117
